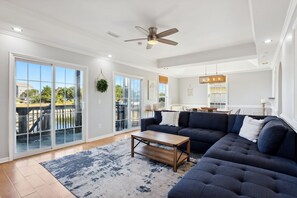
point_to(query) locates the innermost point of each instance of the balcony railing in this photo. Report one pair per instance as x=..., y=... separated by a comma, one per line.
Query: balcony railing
x=122, y=116
x=35, y=118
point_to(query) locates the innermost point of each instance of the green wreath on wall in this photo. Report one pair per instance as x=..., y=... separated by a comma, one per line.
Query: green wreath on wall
x=102, y=84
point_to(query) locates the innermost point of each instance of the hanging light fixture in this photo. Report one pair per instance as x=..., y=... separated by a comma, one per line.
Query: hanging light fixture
x=218, y=78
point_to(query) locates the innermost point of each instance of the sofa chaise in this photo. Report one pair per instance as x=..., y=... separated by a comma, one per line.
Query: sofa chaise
x=233, y=166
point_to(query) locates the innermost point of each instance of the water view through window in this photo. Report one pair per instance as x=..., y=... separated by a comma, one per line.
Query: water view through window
x=48, y=108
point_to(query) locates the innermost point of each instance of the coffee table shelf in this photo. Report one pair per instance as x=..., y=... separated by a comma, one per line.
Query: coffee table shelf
x=173, y=156
x=160, y=154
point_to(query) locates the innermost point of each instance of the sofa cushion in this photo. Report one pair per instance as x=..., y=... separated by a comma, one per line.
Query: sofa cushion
x=234, y=148
x=183, y=120
x=251, y=128
x=271, y=137
x=158, y=117
x=213, y=121
x=164, y=128
x=235, y=121
x=170, y=118
x=202, y=135
x=237, y=124
x=221, y=179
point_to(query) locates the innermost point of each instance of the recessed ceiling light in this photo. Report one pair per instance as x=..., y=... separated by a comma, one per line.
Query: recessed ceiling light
x=109, y=56
x=267, y=41
x=17, y=29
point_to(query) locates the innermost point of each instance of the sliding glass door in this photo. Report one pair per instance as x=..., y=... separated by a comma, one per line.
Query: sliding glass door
x=127, y=103
x=33, y=106
x=48, y=105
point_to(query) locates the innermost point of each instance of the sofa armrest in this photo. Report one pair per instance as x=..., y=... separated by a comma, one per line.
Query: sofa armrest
x=145, y=122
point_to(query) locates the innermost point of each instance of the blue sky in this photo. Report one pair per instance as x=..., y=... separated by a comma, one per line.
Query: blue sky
x=36, y=75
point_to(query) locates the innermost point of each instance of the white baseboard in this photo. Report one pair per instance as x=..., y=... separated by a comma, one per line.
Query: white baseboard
x=100, y=137
x=4, y=159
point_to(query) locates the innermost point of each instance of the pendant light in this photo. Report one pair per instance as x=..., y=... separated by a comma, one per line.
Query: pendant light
x=217, y=78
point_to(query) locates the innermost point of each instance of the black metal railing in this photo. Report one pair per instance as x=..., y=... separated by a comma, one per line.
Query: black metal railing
x=38, y=118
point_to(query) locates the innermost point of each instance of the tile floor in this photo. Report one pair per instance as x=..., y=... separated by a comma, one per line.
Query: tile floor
x=26, y=178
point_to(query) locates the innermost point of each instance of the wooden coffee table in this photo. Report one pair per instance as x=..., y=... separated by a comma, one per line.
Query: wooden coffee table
x=173, y=157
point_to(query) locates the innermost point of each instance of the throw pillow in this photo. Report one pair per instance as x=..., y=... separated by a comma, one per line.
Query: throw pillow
x=271, y=136
x=170, y=118
x=251, y=128
x=237, y=124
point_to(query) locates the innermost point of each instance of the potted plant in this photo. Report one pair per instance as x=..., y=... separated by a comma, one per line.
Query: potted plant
x=102, y=84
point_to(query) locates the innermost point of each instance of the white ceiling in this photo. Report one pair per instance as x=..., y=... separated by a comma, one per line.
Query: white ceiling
x=206, y=28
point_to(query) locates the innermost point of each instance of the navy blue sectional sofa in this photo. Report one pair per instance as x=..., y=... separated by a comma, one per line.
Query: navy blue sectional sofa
x=231, y=165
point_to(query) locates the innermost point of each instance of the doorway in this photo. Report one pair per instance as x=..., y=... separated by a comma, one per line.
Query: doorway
x=127, y=104
x=48, y=104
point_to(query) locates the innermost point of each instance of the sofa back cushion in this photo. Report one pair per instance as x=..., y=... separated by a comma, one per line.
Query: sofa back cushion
x=235, y=122
x=203, y=120
x=271, y=137
x=288, y=147
x=182, y=121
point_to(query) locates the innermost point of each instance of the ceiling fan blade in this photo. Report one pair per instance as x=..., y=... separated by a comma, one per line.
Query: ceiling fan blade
x=139, y=39
x=167, y=32
x=166, y=41
x=149, y=46
x=142, y=30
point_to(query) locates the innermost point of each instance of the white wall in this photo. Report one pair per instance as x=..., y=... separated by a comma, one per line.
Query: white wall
x=285, y=103
x=199, y=97
x=245, y=90
x=97, y=113
x=249, y=88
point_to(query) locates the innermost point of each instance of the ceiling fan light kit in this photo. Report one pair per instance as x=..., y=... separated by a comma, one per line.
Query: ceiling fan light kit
x=153, y=38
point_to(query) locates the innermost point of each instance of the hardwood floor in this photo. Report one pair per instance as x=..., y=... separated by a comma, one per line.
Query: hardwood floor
x=27, y=178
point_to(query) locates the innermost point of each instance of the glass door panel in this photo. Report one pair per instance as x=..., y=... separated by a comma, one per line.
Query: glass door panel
x=33, y=106
x=49, y=108
x=68, y=108
x=135, y=107
x=121, y=103
x=127, y=103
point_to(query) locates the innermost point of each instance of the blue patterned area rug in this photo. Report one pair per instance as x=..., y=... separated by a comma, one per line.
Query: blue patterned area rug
x=109, y=171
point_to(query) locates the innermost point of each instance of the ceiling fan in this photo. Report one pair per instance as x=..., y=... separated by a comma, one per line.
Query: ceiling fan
x=153, y=38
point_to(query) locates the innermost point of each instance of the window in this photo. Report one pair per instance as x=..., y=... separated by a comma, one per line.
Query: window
x=127, y=103
x=163, y=92
x=48, y=106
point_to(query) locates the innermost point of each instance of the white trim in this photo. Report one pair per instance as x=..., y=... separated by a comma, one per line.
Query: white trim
x=12, y=58
x=248, y=106
x=259, y=69
x=150, y=68
x=252, y=21
x=128, y=75
x=4, y=159
x=127, y=130
x=235, y=106
x=113, y=103
x=113, y=100
x=44, y=150
x=46, y=60
x=11, y=103
x=291, y=122
x=100, y=137
x=286, y=26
